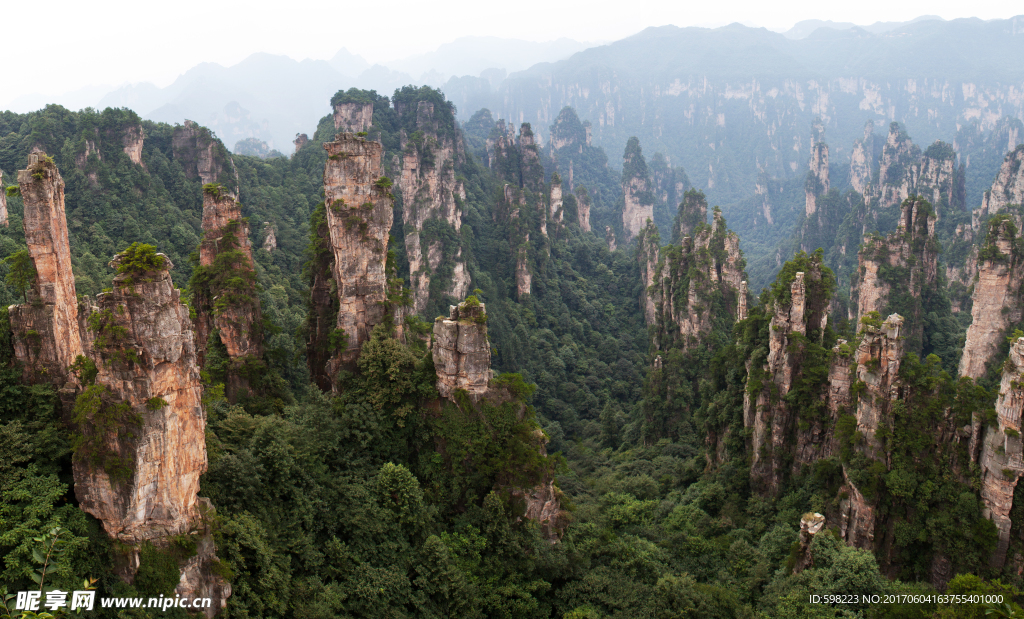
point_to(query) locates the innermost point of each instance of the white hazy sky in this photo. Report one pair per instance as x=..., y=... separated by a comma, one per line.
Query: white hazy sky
x=60, y=45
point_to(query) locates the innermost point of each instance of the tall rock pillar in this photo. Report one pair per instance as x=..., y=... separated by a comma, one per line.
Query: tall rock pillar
x=639, y=199
x=46, y=331
x=359, y=218
x=225, y=289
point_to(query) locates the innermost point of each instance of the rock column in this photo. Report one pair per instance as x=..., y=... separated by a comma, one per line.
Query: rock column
x=359, y=219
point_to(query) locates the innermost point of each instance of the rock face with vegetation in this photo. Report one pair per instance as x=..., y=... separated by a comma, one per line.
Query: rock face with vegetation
x=694, y=284
x=430, y=203
x=583, y=209
x=47, y=339
x=130, y=387
x=817, y=178
x=3, y=202
x=224, y=290
x=461, y=350
x=1002, y=453
x=778, y=399
x=1007, y=188
x=862, y=159
x=901, y=264
x=996, y=304
x=358, y=217
x=203, y=156
x=352, y=116
x=639, y=199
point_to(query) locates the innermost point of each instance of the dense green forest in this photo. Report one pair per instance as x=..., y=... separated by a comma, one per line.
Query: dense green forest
x=344, y=505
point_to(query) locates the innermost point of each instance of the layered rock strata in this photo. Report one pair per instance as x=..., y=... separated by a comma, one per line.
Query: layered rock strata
x=1002, y=454
x=138, y=414
x=359, y=218
x=47, y=340
x=431, y=193
x=461, y=350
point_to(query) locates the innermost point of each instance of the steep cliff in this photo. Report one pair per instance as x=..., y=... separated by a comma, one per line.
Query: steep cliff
x=1007, y=188
x=461, y=350
x=203, y=156
x=224, y=289
x=431, y=198
x=359, y=218
x=555, y=200
x=1002, y=452
x=898, y=167
x=783, y=400
x=583, y=208
x=693, y=212
x=862, y=159
x=817, y=182
x=896, y=271
x=130, y=387
x=352, y=116
x=639, y=200
x=694, y=285
x=47, y=339
x=996, y=303
x=142, y=445
x=3, y=201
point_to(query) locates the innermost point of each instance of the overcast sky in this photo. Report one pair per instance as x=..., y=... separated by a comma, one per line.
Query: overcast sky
x=62, y=45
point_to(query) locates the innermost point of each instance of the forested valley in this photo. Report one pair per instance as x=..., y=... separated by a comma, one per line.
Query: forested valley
x=424, y=368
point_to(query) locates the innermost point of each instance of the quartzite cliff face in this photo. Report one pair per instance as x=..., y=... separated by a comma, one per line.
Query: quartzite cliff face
x=359, y=217
x=47, y=339
x=140, y=418
x=1001, y=456
x=461, y=350
x=431, y=193
x=226, y=299
x=639, y=199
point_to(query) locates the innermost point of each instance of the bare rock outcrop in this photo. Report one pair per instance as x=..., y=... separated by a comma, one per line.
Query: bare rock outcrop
x=461, y=350
x=810, y=525
x=995, y=303
x=862, y=159
x=817, y=182
x=912, y=251
x=431, y=195
x=225, y=289
x=555, y=200
x=47, y=339
x=200, y=154
x=878, y=367
x=1008, y=187
x=1002, y=455
x=686, y=276
x=140, y=476
x=3, y=201
x=353, y=116
x=639, y=199
x=132, y=141
x=301, y=139
x=583, y=207
x=359, y=218
x=798, y=318
x=269, y=237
